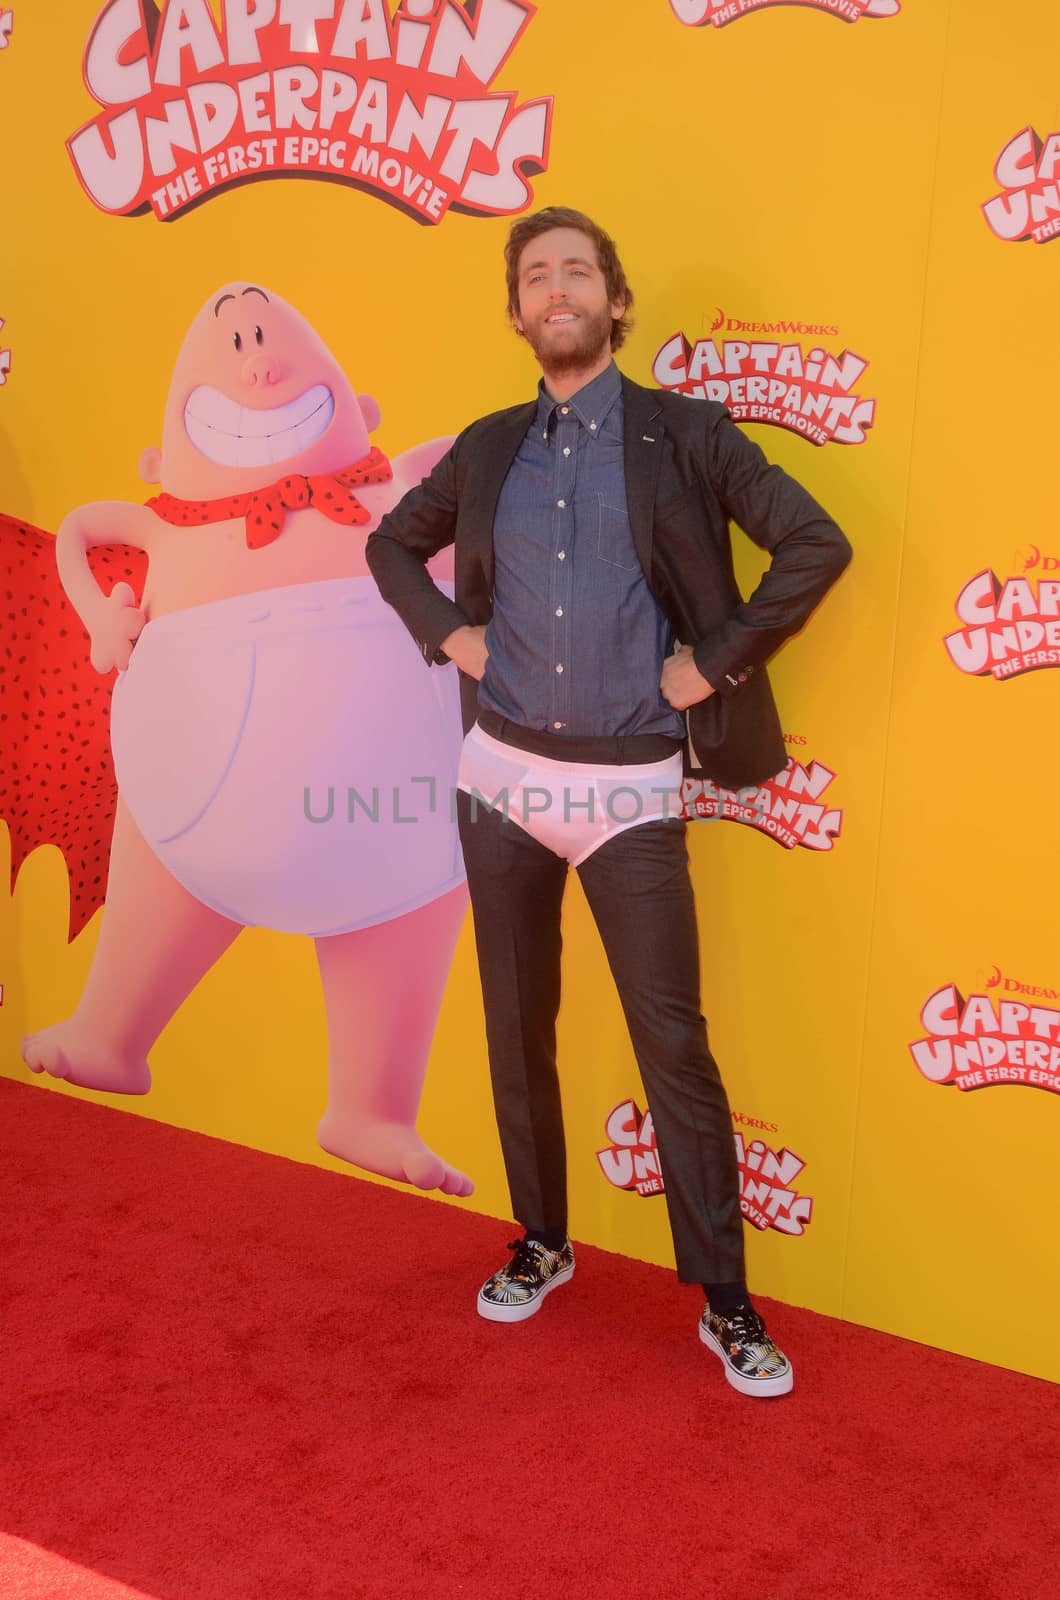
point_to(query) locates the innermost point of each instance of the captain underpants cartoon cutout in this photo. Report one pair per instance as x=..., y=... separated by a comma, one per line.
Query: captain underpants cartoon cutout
x=261, y=680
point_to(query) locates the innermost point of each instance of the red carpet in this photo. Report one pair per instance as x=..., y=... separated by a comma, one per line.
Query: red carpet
x=228, y=1377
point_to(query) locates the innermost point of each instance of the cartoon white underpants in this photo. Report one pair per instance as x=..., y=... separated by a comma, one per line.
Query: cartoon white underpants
x=289, y=758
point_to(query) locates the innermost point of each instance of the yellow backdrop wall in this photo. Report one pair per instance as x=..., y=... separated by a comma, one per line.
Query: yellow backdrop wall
x=805, y=176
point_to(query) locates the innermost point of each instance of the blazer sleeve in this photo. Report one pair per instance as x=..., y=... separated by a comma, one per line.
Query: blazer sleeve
x=422, y=523
x=808, y=553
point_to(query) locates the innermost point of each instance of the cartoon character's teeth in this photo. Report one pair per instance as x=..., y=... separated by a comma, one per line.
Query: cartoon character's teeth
x=243, y=436
x=284, y=445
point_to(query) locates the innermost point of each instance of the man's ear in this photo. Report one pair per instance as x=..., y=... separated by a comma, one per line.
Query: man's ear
x=151, y=464
x=369, y=411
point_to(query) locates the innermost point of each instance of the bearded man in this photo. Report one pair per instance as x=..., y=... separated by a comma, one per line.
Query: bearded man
x=599, y=632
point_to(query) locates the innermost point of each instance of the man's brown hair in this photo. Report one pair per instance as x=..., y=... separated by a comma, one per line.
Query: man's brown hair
x=528, y=228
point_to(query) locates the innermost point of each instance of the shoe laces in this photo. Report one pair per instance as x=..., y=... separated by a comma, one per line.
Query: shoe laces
x=522, y=1263
x=744, y=1325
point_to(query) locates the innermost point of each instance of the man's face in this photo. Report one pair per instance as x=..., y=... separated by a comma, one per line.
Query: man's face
x=564, y=308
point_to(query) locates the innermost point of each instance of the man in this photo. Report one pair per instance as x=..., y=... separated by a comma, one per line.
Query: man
x=595, y=605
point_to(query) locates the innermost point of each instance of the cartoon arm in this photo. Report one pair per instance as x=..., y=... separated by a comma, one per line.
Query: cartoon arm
x=114, y=621
x=412, y=466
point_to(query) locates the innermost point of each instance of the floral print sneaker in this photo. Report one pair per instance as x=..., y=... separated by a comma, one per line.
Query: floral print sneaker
x=517, y=1290
x=753, y=1364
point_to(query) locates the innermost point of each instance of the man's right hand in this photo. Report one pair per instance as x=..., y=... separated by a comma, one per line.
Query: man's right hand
x=467, y=647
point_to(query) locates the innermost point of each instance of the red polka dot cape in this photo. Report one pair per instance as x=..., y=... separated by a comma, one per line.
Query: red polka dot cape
x=266, y=510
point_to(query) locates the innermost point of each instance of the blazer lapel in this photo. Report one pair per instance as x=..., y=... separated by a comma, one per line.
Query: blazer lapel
x=642, y=437
x=496, y=452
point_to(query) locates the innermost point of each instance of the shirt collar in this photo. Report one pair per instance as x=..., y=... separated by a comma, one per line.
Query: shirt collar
x=590, y=405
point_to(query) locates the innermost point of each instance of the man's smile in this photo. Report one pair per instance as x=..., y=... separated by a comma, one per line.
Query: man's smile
x=251, y=436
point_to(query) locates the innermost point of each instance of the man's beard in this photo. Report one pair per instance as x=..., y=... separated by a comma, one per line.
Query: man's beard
x=572, y=347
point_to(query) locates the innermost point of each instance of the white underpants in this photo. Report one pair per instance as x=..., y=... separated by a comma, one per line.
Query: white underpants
x=242, y=728
x=570, y=807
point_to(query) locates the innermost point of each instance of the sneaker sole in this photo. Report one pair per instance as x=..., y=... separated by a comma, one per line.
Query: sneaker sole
x=520, y=1313
x=761, y=1387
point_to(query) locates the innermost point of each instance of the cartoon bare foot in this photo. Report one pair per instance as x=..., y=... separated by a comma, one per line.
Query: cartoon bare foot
x=391, y=1150
x=68, y=1050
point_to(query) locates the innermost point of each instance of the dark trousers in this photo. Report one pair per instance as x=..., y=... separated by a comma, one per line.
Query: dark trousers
x=640, y=895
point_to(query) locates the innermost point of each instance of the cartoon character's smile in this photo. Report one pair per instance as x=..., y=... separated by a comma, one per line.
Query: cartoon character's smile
x=243, y=436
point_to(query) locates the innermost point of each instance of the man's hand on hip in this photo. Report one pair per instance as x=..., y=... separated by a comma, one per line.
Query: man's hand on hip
x=682, y=684
x=467, y=647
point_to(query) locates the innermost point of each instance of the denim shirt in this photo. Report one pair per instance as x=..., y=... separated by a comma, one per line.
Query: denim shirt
x=577, y=641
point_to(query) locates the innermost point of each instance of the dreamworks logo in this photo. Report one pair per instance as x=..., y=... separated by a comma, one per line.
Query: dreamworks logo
x=1007, y=984
x=802, y=330
x=1031, y=558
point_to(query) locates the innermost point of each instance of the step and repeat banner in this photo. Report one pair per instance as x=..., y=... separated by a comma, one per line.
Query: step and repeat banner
x=253, y=286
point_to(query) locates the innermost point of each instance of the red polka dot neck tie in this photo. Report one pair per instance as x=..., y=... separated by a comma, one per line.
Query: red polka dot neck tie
x=265, y=510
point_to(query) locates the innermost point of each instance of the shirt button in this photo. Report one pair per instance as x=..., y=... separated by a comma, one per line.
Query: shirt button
x=563, y=410
x=592, y=427
x=562, y=555
x=559, y=611
x=544, y=435
x=559, y=667
x=557, y=724
x=566, y=449
x=562, y=504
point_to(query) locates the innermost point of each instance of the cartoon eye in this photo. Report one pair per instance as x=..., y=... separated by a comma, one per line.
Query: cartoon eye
x=258, y=335
x=237, y=341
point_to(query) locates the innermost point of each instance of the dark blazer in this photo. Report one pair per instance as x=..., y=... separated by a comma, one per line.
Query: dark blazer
x=689, y=470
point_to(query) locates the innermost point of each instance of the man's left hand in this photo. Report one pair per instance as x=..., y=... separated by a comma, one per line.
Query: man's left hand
x=682, y=684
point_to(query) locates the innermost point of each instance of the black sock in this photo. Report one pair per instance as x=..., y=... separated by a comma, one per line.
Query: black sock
x=551, y=1238
x=727, y=1296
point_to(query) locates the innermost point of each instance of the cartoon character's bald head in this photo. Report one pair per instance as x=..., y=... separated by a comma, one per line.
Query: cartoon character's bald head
x=255, y=394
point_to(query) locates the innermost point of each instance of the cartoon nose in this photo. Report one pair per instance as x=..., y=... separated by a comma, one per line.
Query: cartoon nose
x=261, y=369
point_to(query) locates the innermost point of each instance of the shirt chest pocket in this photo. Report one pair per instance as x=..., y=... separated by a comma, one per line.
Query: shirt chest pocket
x=614, y=537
